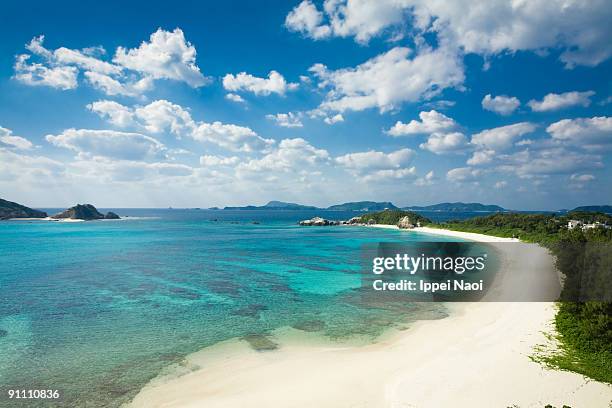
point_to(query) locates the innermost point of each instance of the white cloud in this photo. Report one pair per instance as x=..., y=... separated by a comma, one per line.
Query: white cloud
x=463, y=174
x=291, y=155
x=214, y=161
x=430, y=122
x=440, y=143
x=288, y=119
x=389, y=79
x=547, y=161
x=502, y=104
x=114, y=112
x=553, y=101
x=131, y=73
x=581, y=30
x=582, y=177
x=234, y=98
x=427, y=180
x=502, y=137
x=481, y=157
x=585, y=132
x=167, y=55
x=231, y=137
x=8, y=139
x=332, y=120
x=162, y=115
x=111, y=86
x=390, y=174
x=500, y=185
x=275, y=83
x=374, y=160
x=361, y=19
x=109, y=143
x=305, y=18
x=37, y=74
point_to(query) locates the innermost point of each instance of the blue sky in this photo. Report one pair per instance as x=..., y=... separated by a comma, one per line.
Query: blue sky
x=230, y=103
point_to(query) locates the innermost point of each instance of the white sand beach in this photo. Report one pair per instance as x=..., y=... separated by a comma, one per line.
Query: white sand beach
x=479, y=356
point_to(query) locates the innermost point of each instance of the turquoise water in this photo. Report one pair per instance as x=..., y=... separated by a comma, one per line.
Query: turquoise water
x=97, y=309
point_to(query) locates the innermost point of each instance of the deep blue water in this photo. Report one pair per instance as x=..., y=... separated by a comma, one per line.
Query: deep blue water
x=97, y=309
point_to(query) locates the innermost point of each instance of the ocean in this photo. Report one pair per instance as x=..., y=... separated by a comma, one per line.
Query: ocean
x=97, y=309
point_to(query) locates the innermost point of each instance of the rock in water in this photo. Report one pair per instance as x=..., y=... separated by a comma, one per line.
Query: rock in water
x=318, y=222
x=405, y=223
x=111, y=216
x=80, y=212
x=9, y=209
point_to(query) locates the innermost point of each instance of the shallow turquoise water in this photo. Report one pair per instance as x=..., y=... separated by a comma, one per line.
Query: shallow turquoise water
x=97, y=309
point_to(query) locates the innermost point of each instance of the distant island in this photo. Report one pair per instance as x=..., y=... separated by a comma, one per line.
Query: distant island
x=363, y=206
x=458, y=207
x=9, y=209
x=366, y=206
x=351, y=206
x=607, y=209
x=86, y=212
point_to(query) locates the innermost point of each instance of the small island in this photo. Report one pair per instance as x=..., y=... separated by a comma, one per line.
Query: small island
x=9, y=210
x=86, y=212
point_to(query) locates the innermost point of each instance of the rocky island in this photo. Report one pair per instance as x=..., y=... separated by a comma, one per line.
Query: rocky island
x=402, y=219
x=9, y=209
x=85, y=212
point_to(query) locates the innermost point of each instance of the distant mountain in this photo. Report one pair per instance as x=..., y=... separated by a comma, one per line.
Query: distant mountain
x=9, y=209
x=362, y=206
x=274, y=205
x=595, y=208
x=458, y=207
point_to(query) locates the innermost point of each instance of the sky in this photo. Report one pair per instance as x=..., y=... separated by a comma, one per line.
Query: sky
x=201, y=104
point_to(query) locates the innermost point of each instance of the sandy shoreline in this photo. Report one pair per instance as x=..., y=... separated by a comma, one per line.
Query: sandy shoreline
x=476, y=357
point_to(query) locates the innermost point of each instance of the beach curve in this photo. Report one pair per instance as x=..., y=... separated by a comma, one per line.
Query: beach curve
x=476, y=357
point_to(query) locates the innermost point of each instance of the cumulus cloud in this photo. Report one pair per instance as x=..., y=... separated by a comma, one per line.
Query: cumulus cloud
x=553, y=101
x=378, y=166
x=547, y=161
x=214, y=161
x=288, y=119
x=291, y=155
x=275, y=83
x=113, y=112
x=376, y=160
x=580, y=30
x=430, y=122
x=332, y=120
x=109, y=143
x=481, y=157
x=586, y=132
x=162, y=115
x=7, y=139
x=306, y=19
x=40, y=75
x=426, y=180
x=234, y=98
x=440, y=143
x=167, y=55
x=463, y=174
x=502, y=104
x=503, y=137
x=389, y=79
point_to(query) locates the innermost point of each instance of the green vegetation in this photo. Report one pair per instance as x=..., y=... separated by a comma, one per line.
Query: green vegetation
x=585, y=259
x=392, y=217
